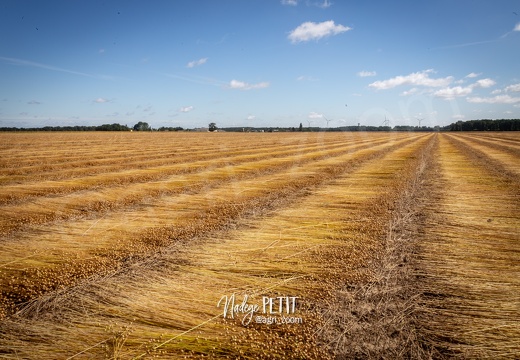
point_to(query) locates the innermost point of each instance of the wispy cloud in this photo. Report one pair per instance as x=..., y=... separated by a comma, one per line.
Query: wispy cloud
x=516, y=28
x=33, y=102
x=325, y=4
x=251, y=117
x=315, y=31
x=290, y=2
x=193, y=79
x=421, y=78
x=186, y=109
x=367, y=73
x=22, y=62
x=240, y=85
x=513, y=88
x=410, y=92
x=499, y=99
x=306, y=78
x=467, y=44
x=315, y=115
x=472, y=75
x=101, y=100
x=199, y=62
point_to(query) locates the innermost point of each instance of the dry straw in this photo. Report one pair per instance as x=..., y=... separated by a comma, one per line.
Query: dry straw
x=329, y=221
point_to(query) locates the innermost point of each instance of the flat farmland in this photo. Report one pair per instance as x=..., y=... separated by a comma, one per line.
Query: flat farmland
x=259, y=245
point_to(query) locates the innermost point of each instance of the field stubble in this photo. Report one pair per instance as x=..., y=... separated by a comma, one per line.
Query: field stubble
x=347, y=222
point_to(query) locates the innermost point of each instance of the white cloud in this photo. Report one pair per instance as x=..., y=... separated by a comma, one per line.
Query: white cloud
x=472, y=75
x=499, y=99
x=186, y=109
x=306, y=78
x=315, y=31
x=326, y=4
x=240, y=85
x=495, y=92
x=251, y=117
x=485, y=83
x=366, y=73
x=315, y=115
x=421, y=78
x=514, y=88
x=517, y=27
x=410, y=92
x=290, y=2
x=101, y=100
x=452, y=92
x=197, y=62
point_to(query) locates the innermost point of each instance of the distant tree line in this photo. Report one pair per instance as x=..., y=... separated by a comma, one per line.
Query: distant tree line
x=162, y=128
x=140, y=126
x=485, y=125
x=104, y=127
x=470, y=125
x=336, y=129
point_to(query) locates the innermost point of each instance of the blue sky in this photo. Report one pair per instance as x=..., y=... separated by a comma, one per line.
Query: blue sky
x=258, y=62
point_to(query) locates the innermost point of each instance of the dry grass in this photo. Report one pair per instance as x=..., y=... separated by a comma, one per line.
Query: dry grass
x=471, y=262
x=504, y=156
x=331, y=218
x=374, y=315
x=248, y=261
x=82, y=248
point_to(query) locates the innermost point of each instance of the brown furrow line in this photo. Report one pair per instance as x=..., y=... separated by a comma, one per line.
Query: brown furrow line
x=375, y=314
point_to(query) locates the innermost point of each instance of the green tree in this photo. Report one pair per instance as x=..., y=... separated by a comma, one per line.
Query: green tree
x=212, y=126
x=142, y=126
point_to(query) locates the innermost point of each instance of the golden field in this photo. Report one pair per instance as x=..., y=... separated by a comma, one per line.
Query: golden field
x=396, y=245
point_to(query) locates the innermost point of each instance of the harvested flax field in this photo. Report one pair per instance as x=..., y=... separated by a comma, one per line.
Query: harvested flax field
x=304, y=245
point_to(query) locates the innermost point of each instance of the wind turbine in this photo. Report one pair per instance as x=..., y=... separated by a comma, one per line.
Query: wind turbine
x=386, y=122
x=327, y=120
x=419, y=119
